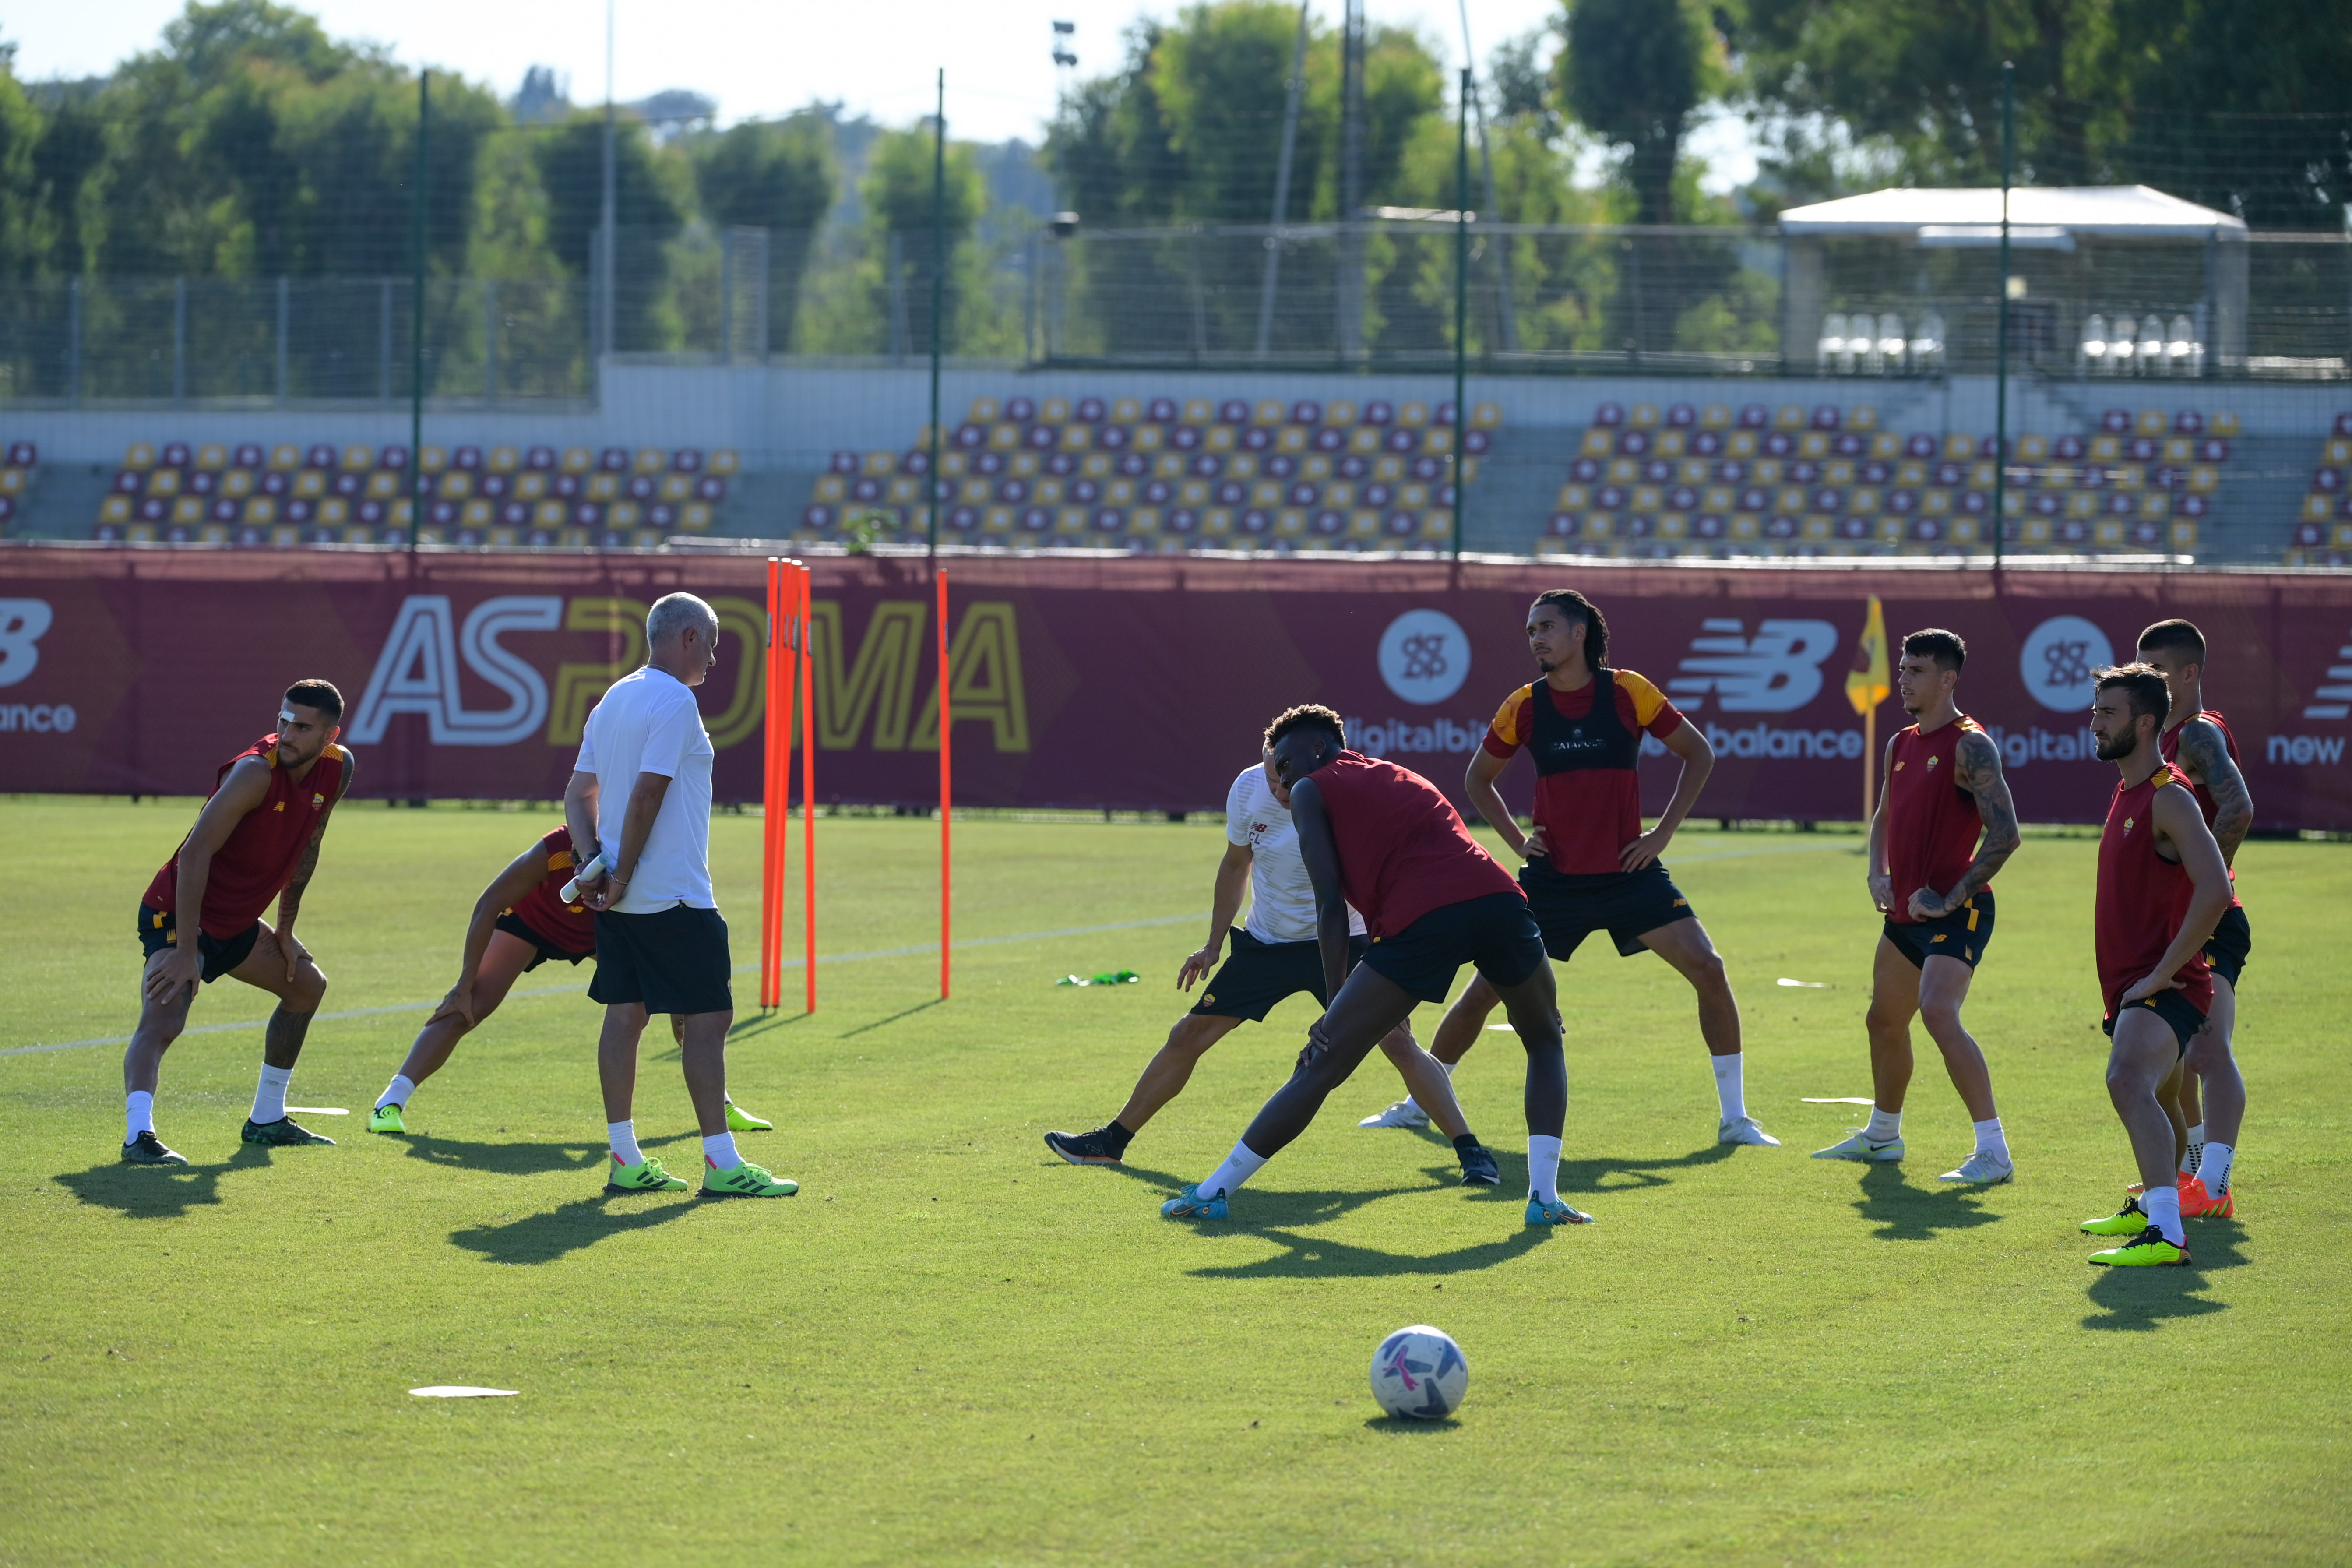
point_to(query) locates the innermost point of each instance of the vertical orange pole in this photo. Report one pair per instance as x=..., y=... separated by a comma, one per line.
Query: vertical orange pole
x=808, y=774
x=946, y=796
x=774, y=788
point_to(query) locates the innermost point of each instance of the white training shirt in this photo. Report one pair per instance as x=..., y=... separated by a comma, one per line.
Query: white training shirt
x=1282, y=898
x=648, y=722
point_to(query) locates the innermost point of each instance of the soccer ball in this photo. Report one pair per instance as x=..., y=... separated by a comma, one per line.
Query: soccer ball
x=1419, y=1372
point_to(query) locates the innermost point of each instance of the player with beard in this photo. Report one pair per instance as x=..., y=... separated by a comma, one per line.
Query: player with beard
x=2162, y=884
x=1945, y=824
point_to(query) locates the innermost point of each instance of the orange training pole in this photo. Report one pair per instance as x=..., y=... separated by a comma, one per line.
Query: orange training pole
x=808, y=773
x=947, y=795
x=774, y=780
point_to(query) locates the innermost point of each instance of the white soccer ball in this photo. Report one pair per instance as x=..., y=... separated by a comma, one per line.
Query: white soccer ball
x=1420, y=1373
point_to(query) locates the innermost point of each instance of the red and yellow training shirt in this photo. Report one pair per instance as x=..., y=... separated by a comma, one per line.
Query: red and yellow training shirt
x=1588, y=794
x=1932, y=825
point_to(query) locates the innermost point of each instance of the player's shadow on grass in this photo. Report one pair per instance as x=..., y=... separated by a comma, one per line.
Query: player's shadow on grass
x=530, y=1158
x=1592, y=1175
x=158, y=1192
x=1904, y=1213
x=2138, y=1299
x=568, y=1227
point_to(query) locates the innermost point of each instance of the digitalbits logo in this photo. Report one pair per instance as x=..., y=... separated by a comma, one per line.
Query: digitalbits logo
x=1424, y=656
x=2057, y=661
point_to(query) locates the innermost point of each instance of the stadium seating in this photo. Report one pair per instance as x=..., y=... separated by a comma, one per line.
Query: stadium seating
x=1168, y=474
x=2323, y=534
x=18, y=466
x=288, y=494
x=1825, y=480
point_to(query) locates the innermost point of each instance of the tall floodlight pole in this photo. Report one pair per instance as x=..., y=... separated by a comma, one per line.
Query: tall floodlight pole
x=939, y=295
x=608, y=247
x=1461, y=298
x=2001, y=333
x=416, y=313
x=1295, y=86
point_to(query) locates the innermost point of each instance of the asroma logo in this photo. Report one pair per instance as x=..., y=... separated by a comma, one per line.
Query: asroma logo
x=1933, y=761
x=2127, y=826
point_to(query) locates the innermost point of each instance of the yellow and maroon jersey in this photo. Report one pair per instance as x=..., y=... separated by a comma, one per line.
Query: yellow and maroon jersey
x=1932, y=823
x=257, y=859
x=1588, y=794
x=2142, y=898
x=569, y=928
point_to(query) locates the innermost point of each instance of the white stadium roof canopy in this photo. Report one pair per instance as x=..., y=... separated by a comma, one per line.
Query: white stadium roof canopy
x=2039, y=217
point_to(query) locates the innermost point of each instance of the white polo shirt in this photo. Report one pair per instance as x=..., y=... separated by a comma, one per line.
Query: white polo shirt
x=648, y=722
x=1282, y=896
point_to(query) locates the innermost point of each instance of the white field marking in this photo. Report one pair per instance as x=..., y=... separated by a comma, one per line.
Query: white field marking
x=561, y=990
x=1841, y=1100
x=1804, y=984
x=462, y=1391
x=1499, y=1028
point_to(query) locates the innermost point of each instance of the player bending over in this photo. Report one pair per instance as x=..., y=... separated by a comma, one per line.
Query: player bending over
x=1381, y=839
x=2197, y=742
x=1945, y=824
x=2162, y=886
x=1590, y=867
x=520, y=922
x=256, y=838
x=1275, y=958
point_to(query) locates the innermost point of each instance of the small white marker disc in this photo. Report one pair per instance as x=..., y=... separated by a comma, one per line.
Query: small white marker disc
x=460, y=1391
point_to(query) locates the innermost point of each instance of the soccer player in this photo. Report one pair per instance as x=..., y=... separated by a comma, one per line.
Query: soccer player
x=255, y=840
x=2197, y=742
x=640, y=790
x=1381, y=839
x=520, y=922
x=1589, y=865
x=1275, y=957
x=1945, y=824
x=2162, y=885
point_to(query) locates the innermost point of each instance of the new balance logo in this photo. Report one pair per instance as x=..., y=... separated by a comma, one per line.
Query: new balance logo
x=2333, y=700
x=1779, y=671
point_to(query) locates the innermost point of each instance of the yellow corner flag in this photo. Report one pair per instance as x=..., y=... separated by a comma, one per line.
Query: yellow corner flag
x=1867, y=684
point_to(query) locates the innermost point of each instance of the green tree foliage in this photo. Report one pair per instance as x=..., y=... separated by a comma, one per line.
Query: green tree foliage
x=1632, y=71
x=25, y=218
x=897, y=191
x=777, y=175
x=652, y=196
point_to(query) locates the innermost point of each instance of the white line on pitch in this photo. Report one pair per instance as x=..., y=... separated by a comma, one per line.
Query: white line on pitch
x=559, y=990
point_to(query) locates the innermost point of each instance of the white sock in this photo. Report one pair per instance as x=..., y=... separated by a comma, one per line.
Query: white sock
x=397, y=1092
x=2162, y=1206
x=138, y=1115
x=1727, y=1089
x=2195, y=1151
x=269, y=1096
x=2215, y=1171
x=1886, y=1126
x=719, y=1152
x=1990, y=1140
x=1543, y=1168
x=623, y=1136
x=1240, y=1165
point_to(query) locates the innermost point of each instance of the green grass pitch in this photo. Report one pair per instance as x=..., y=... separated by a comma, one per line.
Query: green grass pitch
x=952, y=1349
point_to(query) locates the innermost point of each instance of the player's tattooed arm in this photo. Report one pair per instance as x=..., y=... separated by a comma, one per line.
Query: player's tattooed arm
x=1978, y=767
x=2205, y=757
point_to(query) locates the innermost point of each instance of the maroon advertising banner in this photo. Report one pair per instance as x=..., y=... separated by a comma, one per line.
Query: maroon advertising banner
x=1123, y=683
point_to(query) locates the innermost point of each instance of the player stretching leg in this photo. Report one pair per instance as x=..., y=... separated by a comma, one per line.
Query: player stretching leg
x=1275, y=957
x=1381, y=839
x=2197, y=742
x=2162, y=885
x=641, y=792
x=1590, y=867
x=255, y=840
x=1944, y=820
x=520, y=922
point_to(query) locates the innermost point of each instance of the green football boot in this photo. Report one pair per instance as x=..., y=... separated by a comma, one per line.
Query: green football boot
x=386, y=1119
x=283, y=1133
x=2128, y=1220
x=746, y=1181
x=646, y=1176
x=741, y=1120
x=148, y=1150
x=2148, y=1249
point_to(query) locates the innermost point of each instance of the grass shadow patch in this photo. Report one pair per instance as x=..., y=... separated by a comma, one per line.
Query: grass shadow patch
x=1904, y=1213
x=1409, y=1426
x=525, y=1159
x=2134, y=1300
x=764, y=1022
x=569, y=1227
x=1592, y=1175
x=158, y=1192
x=882, y=1023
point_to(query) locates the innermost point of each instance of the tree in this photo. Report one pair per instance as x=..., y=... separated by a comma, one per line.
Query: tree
x=897, y=189
x=25, y=219
x=1632, y=71
x=652, y=195
x=779, y=176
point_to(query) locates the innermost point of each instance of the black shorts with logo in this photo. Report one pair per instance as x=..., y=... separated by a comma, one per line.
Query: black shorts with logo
x=2227, y=948
x=1495, y=932
x=2171, y=1007
x=1259, y=975
x=1568, y=909
x=673, y=960
x=1962, y=934
x=159, y=929
x=513, y=925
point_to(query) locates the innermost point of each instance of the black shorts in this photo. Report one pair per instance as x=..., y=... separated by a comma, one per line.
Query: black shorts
x=2172, y=1007
x=1962, y=934
x=1261, y=974
x=159, y=929
x=2226, y=949
x=513, y=924
x=1622, y=903
x=673, y=960
x=1495, y=932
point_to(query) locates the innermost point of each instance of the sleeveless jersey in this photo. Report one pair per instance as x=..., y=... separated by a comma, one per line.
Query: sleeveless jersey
x=1931, y=823
x=1586, y=745
x=2142, y=897
x=567, y=928
x=2168, y=745
x=253, y=866
x=1403, y=851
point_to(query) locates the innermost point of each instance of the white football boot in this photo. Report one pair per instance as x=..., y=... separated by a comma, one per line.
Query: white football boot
x=1745, y=1130
x=1403, y=1113
x=1858, y=1146
x=1982, y=1169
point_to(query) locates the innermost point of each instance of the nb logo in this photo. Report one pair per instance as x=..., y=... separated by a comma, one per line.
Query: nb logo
x=1777, y=672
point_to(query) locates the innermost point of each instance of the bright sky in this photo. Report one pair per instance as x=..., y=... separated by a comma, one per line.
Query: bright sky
x=762, y=58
